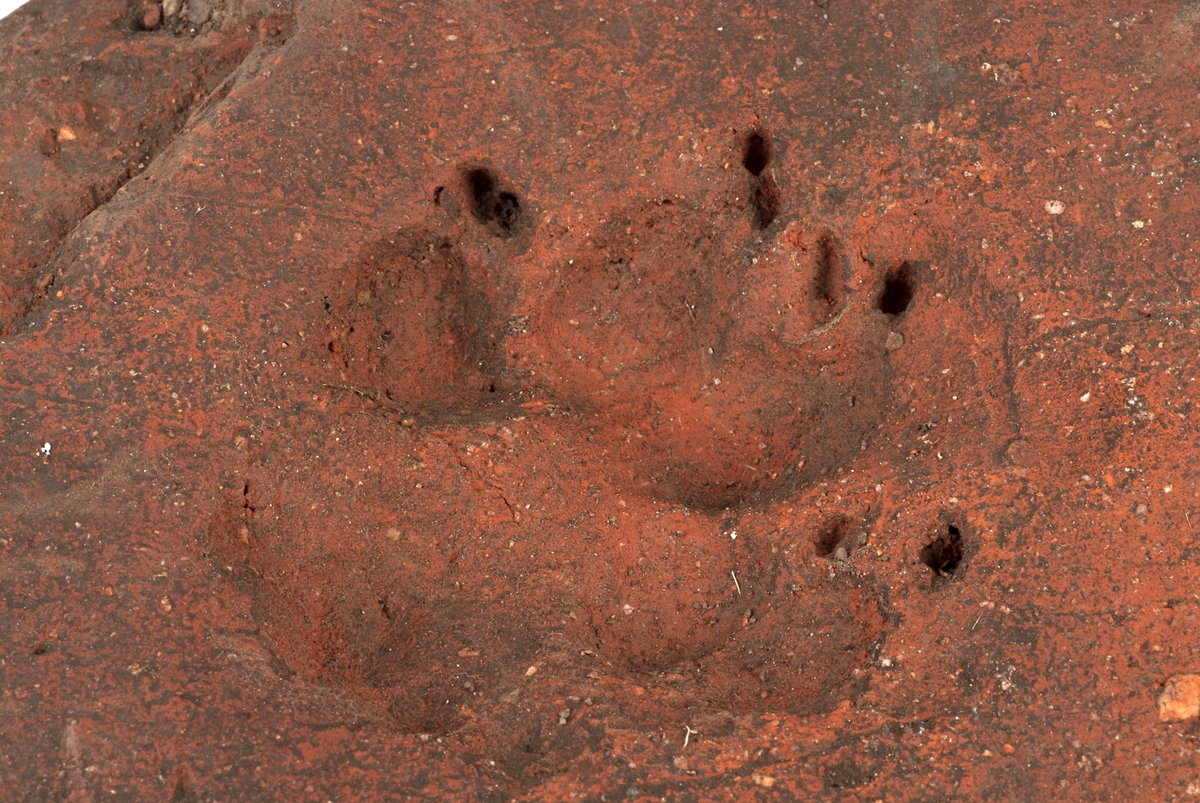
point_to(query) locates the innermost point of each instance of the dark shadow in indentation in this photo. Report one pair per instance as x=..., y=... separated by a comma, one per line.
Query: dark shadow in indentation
x=944, y=553
x=490, y=204
x=898, y=290
x=142, y=16
x=831, y=535
x=757, y=153
x=827, y=278
x=482, y=186
x=507, y=211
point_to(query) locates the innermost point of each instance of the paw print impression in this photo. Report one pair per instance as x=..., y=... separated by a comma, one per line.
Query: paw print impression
x=720, y=364
x=414, y=325
x=705, y=354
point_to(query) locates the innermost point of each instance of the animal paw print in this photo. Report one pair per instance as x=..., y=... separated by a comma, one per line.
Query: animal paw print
x=722, y=368
x=684, y=358
x=718, y=364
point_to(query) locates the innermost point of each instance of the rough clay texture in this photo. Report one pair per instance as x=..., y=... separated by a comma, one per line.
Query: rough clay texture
x=548, y=401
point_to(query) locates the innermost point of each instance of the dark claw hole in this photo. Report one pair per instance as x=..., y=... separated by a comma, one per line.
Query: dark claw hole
x=142, y=15
x=489, y=204
x=831, y=535
x=944, y=553
x=757, y=153
x=898, y=290
x=482, y=187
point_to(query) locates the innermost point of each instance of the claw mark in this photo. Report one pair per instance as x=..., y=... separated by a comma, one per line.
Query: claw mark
x=757, y=153
x=898, y=290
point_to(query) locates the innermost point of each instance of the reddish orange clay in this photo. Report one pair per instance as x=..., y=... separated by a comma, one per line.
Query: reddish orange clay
x=555, y=401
